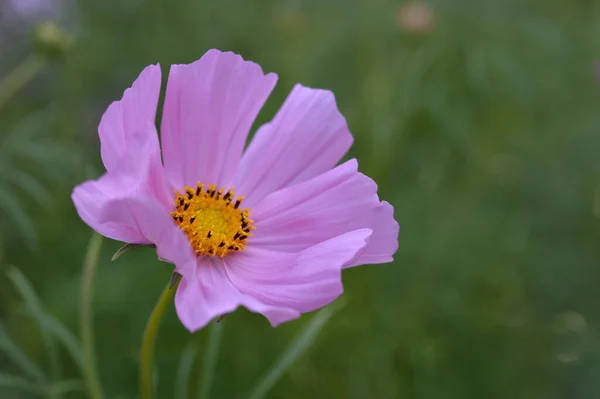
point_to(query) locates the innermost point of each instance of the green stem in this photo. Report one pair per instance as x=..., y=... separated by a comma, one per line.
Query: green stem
x=147, y=353
x=210, y=359
x=19, y=77
x=92, y=381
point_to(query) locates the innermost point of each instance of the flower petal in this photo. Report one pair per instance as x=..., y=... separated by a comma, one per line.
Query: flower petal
x=92, y=197
x=331, y=204
x=307, y=137
x=157, y=227
x=210, y=294
x=129, y=116
x=134, y=219
x=303, y=281
x=384, y=241
x=210, y=106
x=278, y=285
x=131, y=204
x=136, y=174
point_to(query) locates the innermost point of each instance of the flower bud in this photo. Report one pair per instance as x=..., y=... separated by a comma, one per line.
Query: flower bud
x=51, y=40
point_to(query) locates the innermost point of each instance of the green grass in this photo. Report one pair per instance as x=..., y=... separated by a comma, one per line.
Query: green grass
x=482, y=132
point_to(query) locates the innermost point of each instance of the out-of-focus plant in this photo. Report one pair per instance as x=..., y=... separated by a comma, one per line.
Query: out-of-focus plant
x=31, y=164
x=92, y=380
x=303, y=341
x=32, y=378
x=51, y=43
x=31, y=161
x=298, y=347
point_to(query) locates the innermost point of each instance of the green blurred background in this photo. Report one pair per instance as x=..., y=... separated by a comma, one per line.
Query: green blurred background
x=478, y=119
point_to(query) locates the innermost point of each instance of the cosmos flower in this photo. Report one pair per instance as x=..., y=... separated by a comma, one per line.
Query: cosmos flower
x=269, y=228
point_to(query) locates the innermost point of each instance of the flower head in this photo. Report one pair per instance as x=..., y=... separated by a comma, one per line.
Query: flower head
x=269, y=228
x=415, y=17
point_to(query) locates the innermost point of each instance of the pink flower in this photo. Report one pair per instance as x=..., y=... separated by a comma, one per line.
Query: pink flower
x=277, y=244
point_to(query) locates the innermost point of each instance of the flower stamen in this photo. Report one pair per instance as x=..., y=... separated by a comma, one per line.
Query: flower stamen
x=213, y=222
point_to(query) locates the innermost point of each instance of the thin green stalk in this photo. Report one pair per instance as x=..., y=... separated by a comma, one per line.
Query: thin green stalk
x=92, y=380
x=147, y=352
x=210, y=359
x=19, y=77
x=184, y=371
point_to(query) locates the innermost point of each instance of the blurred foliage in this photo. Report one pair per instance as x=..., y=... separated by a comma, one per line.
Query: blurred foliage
x=481, y=129
x=31, y=164
x=37, y=382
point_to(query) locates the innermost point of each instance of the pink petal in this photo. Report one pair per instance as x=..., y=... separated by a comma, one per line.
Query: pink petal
x=210, y=106
x=302, y=281
x=384, y=241
x=307, y=137
x=210, y=294
x=157, y=227
x=135, y=219
x=92, y=197
x=130, y=116
x=131, y=204
x=331, y=204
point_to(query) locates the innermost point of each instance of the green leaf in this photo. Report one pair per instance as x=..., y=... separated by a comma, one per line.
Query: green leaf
x=18, y=383
x=51, y=159
x=301, y=343
x=64, y=387
x=127, y=248
x=64, y=336
x=30, y=162
x=27, y=184
x=67, y=338
x=21, y=360
x=21, y=221
x=34, y=306
x=26, y=128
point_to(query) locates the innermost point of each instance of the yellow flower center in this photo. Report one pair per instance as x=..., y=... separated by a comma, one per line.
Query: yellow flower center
x=213, y=220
